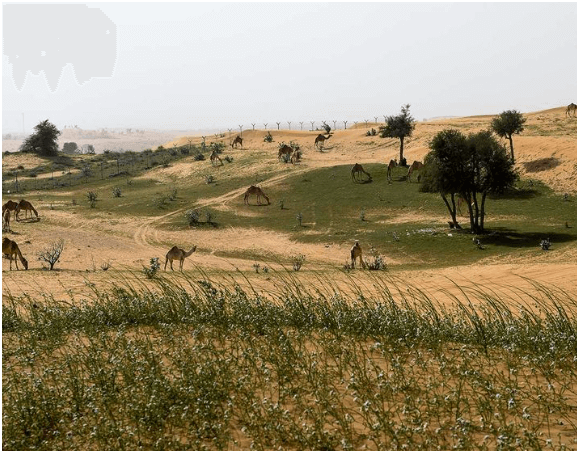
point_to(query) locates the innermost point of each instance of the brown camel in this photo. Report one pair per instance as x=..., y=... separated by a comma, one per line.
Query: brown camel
x=320, y=139
x=178, y=254
x=9, y=206
x=237, y=140
x=215, y=157
x=284, y=150
x=11, y=251
x=254, y=190
x=416, y=166
x=391, y=165
x=356, y=253
x=571, y=108
x=25, y=206
x=295, y=157
x=6, y=221
x=356, y=170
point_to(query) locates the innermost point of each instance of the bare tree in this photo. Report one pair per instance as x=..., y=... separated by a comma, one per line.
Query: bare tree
x=345, y=122
x=366, y=121
x=278, y=123
x=376, y=118
x=253, y=126
x=265, y=125
x=52, y=254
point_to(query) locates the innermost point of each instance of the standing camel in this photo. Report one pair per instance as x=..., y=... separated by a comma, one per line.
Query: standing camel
x=178, y=254
x=254, y=190
x=6, y=221
x=215, y=157
x=416, y=165
x=237, y=140
x=25, y=206
x=320, y=139
x=9, y=206
x=571, y=108
x=285, y=150
x=11, y=250
x=356, y=253
x=356, y=170
x=391, y=165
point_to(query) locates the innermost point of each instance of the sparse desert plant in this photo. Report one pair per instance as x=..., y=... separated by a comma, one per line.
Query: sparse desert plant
x=117, y=192
x=192, y=216
x=268, y=137
x=92, y=198
x=52, y=253
x=173, y=195
x=209, y=216
x=228, y=159
x=545, y=244
x=371, y=132
x=363, y=215
x=256, y=267
x=73, y=202
x=86, y=170
x=299, y=218
x=377, y=263
x=160, y=201
x=281, y=203
x=265, y=269
x=298, y=261
x=199, y=156
x=153, y=268
x=209, y=179
x=106, y=265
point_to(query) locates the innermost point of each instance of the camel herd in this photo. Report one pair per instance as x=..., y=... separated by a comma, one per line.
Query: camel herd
x=11, y=250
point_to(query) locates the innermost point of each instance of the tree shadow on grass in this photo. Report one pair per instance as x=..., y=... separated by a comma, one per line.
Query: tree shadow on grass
x=511, y=238
x=516, y=194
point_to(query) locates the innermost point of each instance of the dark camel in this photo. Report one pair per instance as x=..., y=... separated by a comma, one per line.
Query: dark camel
x=237, y=140
x=9, y=206
x=254, y=190
x=355, y=253
x=571, y=108
x=320, y=139
x=391, y=165
x=416, y=166
x=11, y=251
x=356, y=170
x=25, y=206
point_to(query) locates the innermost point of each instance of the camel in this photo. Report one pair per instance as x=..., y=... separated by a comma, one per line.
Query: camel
x=571, y=108
x=6, y=221
x=321, y=139
x=178, y=254
x=285, y=150
x=356, y=253
x=11, y=251
x=416, y=165
x=237, y=140
x=9, y=206
x=391, y=165
x=25, y=206
x=254, y=190
x=356, y=170
x=215, y=157
x=295, y=155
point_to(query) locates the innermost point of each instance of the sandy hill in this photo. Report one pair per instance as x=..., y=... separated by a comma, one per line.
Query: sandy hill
x=546, y=150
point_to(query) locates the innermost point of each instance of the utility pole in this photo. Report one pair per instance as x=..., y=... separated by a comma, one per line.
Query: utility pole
x=301, y=125
x=345, y=122
x=253, y=126
x=335, y=121
x=312, y=124
x=264, y=126
x=289, y=125
x=240, y=129
x=278, y=123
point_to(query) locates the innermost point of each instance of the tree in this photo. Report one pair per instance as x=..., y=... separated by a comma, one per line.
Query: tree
x=44, y=141
x=508, y=123
x=69, y=148
x=400, y=126
x=467, y=166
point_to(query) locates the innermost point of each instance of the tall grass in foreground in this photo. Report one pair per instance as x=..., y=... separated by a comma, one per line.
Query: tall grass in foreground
x=202, y=365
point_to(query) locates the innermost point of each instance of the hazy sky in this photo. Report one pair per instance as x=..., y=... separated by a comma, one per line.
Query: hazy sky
x=220, y=65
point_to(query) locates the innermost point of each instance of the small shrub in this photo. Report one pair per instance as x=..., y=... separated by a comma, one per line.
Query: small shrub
x=173, y=195
x=377, y=263
x=209, y=179
x=116, y=192
x=209, y=216
x=363, y=215
x=51, y=255
x=265, y=269
x=106, y=265
x=199, y=156
x=371, y=132
x=73, y=202
x=299, y=218
x=92, y=198
x=545, y=244
x=298, y=261
x=228, y=159
x=192, y=216
x=268, y=137
x=86, y=170
x=281, y=202
x=256, y=267
x=153, y=268
x=160, y=202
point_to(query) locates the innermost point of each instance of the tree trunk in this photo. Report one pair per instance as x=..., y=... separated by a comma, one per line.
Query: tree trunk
x=512, y=149
x=451, y=210
x=482, y=212
x=401, y=149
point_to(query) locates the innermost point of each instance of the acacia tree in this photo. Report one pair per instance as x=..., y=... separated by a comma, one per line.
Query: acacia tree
x=508, y=123
x=468, y=166
x=399, y=126
x=44, y=141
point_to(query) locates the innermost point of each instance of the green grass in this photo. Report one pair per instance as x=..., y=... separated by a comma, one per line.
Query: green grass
x=209, y=366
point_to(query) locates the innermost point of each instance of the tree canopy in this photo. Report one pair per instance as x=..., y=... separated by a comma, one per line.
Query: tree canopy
x=44, y=141
x=467, y=166
x=508, y=123
x=399, y=126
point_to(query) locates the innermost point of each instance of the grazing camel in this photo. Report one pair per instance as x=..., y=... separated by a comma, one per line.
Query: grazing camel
x=25, y=206
x=178, y=254
x=571, y=108
x=356, y=253
x=320, y=139
x=285, y=150
x=416, y=165
x=215, y=157
x=356, y=170
x=11, y=251
x=237, y=140
x=393, y=163
x=295, y=157
x=254, y=190
x=9, y=206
